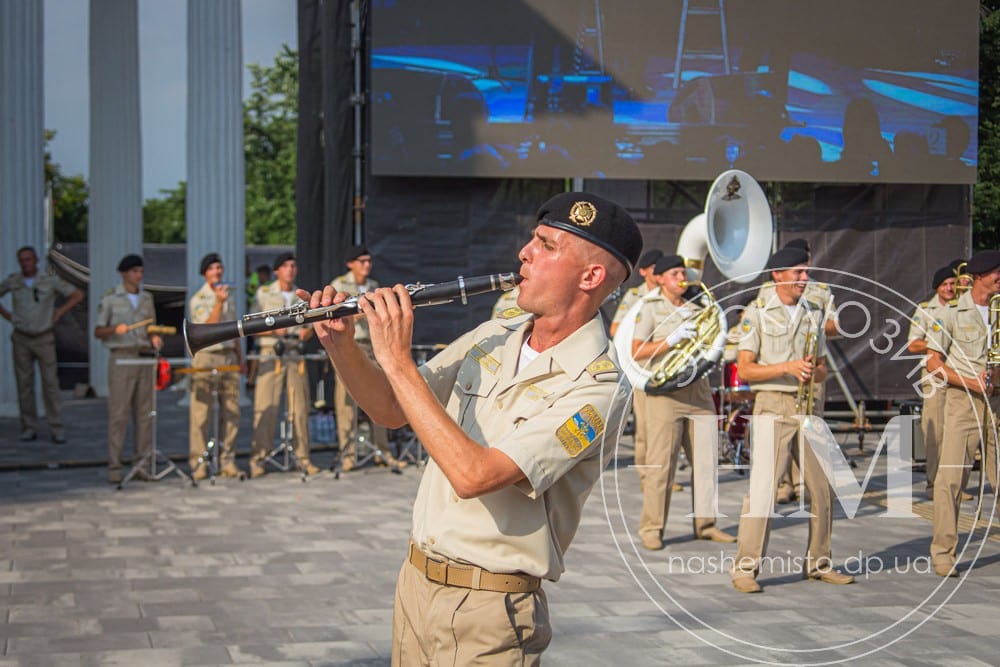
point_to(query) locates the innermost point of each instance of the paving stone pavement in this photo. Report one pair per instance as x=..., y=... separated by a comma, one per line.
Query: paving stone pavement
x=277, y=571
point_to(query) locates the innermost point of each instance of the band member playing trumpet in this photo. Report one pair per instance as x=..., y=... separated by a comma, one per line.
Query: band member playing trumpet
x=519, y=417
x=926, y=324
x=121, y=318
x=965, y=355
x=664, y=322
x=772, y=359
x=212, y=303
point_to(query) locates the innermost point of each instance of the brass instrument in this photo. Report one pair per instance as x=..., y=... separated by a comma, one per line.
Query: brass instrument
x=993, y=347
x=963, y=281
x=805, y=395
x=200, y=336
x=692, y=358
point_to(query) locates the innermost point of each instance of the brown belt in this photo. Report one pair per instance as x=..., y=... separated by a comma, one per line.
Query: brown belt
x=450, y=573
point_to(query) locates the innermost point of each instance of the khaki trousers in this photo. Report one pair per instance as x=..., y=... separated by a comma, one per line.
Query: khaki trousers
x=639, y=416
x=755, y=530
x=793, y=478
x=964, y=415
x=668, y=429
x=273, y=378
x=932, y=427
x=439, y=625
x=130, y=394
x=344, y=407
x=27, y=349
x=202, y=425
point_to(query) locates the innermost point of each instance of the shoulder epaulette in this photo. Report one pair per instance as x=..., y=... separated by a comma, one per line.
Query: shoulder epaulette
x=111, y=290
x=603, y=370
x=812, y=305
x=759, y=302
x=923, y=304
x=508, y=313
x=953, y=303
x=768, y=283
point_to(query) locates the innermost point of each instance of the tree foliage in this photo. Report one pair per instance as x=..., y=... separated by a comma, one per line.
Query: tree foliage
x=70, y=196
x=986, y=228
x=270, y=119
x=163, y=220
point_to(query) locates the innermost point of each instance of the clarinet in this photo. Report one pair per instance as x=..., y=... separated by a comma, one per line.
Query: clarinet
x=200, y=336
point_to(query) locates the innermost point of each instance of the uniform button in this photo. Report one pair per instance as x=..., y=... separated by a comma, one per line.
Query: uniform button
x=468, y=385
x=500, y=404
x=431, y=540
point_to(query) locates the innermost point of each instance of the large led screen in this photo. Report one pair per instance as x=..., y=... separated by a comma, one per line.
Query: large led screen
x=788, y=90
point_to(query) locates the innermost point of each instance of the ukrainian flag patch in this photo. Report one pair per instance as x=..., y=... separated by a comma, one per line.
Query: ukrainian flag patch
x=579, y=431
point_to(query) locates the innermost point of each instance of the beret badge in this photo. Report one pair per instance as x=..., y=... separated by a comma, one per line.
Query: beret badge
x=583, y=213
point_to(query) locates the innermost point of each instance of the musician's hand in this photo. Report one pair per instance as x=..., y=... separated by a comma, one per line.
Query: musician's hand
x=121, y=329
x=800, y=369
x=329, y=330
x=977, y=384
x=389, y=312
x=221, y=291
x=156, y=342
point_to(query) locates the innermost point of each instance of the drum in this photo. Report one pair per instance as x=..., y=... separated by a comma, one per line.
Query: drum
x=737, y=390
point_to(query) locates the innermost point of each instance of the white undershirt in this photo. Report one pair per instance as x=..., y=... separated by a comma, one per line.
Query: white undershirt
x=527, y=355
x=288, y=296
x=30, y=282
x=984, y=311
x=133, y=299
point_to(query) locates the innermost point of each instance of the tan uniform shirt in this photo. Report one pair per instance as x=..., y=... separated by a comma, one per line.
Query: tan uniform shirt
x=775, y=336
x=269, y=297
x=631, y=296
x=656, y=319
x=506, y=306
x=34, y=306
x=965, y=337
x=116, y=308
x=926, y=323
x=550, y=419
x=817, y=293
x=346, y=283
x=201, y=306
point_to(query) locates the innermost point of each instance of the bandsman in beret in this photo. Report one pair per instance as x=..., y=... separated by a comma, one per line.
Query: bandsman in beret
x=513, y=415
x=213, y=302
x=773, y=358
x=665, y=322
x=281, y=370
x=924, y=325
x=122, y=317
x=357, y=281
x=960, y=357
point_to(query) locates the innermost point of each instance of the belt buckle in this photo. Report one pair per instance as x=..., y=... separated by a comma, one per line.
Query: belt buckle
x=436, y=570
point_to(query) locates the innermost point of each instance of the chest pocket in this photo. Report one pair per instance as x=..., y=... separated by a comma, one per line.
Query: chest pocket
x=474, y=384
x=970, y=342
x=524, y=402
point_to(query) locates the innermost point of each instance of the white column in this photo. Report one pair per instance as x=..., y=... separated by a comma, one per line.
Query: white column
x=115, y=217
x=216, y=207
x=22, y=189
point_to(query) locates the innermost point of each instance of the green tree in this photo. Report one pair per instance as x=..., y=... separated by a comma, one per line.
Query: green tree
x=163, y=220
x=70, y=195
x=986, y=228
x=270, y=119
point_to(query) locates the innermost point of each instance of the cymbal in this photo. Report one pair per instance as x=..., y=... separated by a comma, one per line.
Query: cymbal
x=208, y=369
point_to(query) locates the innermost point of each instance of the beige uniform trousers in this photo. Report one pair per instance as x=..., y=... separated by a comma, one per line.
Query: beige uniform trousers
x=130, y=394
x=434, y=624
x=964, y=415
x=794, y=475
x=932, y=427
x=344, y=406
x=754, y=530
x=27, y=349
x=668, y=429
x=639, y=439
x=202, y=422
x=273, y=378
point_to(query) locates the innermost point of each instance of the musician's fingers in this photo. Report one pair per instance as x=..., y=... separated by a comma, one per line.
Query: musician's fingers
x=403, y=297
x=312, y=299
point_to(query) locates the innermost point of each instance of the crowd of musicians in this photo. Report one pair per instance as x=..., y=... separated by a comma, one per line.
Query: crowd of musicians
x=511, y=412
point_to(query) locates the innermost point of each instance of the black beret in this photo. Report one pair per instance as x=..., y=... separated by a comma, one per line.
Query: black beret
x=649, y=258
x=798, y=243
x=129, y=262
x=603, y=223
x=282, y=258
x=787, y=258
x=983, y=262
x=942, y=275
x=668, y=262
x=207, y=261
x=354, y=252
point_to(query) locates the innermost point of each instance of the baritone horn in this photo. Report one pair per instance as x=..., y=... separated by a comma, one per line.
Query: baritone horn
x=736, y=230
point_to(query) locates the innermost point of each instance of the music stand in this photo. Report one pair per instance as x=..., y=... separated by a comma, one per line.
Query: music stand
x=154, y=455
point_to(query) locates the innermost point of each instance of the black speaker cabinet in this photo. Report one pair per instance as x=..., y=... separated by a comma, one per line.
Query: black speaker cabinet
x=919, y=449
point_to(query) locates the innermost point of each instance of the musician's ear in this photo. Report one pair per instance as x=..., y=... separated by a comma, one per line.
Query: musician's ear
x=593, y=277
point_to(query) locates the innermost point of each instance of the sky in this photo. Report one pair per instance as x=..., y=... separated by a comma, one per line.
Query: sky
x=267, y=24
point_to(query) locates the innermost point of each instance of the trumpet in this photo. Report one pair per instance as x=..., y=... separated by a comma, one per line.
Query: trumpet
x=963, y=281
x=993, y=348
x=200, y=336
x=805, y=395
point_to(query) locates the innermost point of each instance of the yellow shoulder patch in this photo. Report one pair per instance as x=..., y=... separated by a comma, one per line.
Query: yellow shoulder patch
x=953, y=302
x=581, y=430
x=508, y=313
x=603, y=370
x=923, y=304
